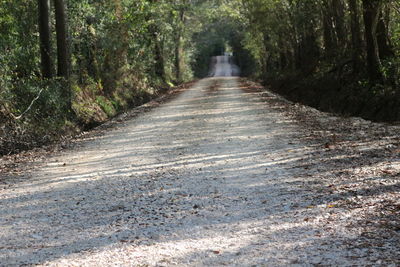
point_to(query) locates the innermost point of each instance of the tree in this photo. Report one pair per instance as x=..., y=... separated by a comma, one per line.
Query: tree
x=45, y=39
x=178, y=41
x=371, y=11
x=157, y=41
x=382, y=34
x=62, y=41
x=356, y=39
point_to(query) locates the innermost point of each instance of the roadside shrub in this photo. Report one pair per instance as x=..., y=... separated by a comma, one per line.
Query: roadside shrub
x=106, y=105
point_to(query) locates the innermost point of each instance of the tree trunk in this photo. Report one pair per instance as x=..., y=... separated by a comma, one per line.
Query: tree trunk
x=339, y=19
x=178, y=45
x=355, y=35
x=159, y=68
x=122, y=34
x=45, y=39
x=62, y=43
x=382, y=35
x=266, y=62
x=334, y=30
x=371, y=11
x=178, y=57
x=329, y=42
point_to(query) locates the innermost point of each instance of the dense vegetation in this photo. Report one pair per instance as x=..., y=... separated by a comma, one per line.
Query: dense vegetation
x=337, y=55
x=67, y=65
x=70, y=65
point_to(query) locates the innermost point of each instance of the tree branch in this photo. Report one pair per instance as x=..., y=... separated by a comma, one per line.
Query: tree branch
x=30, y=106
x=396, y=7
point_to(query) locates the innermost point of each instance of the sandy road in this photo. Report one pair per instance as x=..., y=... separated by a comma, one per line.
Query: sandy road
x=210, y=178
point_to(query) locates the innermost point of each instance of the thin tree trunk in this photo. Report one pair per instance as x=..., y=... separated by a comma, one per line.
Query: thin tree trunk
x=329, y=42
x=158, y=55
x=45, y=39
x=178, y=57
x=355, y=35
x=159, y=67
x=62, y=43
x=371, y=12
x=283, y=61
x=339, y=19
x=122, y=31
x=382, y=35
x=178, y=45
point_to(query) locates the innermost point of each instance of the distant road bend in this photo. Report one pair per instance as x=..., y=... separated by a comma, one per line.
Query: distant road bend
x=210, y=178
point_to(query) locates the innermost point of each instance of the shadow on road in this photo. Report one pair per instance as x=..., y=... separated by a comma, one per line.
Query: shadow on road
x=215, y=176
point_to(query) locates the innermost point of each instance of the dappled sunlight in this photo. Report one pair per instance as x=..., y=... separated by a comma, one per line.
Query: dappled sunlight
x=116, y=151
x=216, y=178
x=215, y=244
x=220, y=137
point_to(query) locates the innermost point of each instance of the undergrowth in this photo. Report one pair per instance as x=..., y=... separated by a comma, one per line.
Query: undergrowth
x=35, y=113
x=343, y=92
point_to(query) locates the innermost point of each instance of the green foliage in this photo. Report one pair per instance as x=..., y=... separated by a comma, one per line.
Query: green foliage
x=113, y=46
x=222, y=29
x=123, y=52
x=305, y=48
x=106, y=105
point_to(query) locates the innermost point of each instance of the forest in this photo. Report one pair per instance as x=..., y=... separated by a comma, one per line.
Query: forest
x=199, y=133
x=70, y=65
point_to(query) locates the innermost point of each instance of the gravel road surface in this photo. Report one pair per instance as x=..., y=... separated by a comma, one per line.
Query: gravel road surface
x=217, y=176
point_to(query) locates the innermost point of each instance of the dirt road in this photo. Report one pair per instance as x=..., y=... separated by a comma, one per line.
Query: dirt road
x=218, y=176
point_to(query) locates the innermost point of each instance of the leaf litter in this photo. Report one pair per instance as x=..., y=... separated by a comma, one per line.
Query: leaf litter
x=232, y=176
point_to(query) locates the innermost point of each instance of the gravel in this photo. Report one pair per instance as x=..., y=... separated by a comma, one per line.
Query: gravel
x=217, y=176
